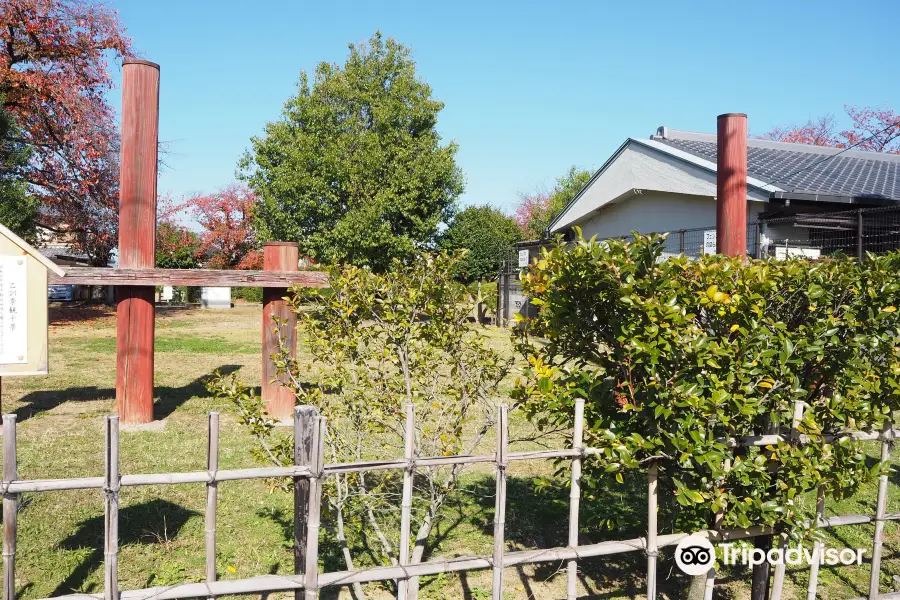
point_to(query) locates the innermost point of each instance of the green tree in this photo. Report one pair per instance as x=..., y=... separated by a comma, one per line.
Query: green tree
x=18, y=209
x=354, y=170
x=487, y=234
x=536, y=211
x=374, y=354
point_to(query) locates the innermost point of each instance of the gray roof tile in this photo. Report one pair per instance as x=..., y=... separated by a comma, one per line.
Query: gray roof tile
x=853, y=173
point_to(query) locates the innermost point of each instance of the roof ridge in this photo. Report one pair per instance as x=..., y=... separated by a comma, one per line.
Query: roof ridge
x=664, y=134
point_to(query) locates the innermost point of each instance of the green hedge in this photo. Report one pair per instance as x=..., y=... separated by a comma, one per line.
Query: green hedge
x=248, y=294
x=673, y=357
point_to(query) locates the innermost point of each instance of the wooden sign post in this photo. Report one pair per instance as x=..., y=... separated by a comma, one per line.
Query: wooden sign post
x=23, y=307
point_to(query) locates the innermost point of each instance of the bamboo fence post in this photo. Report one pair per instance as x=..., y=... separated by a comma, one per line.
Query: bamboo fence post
x=111, y=502
x=575, y=498
x=212, y=495
x=817, y=546
x=314, y=509
x=500, y=503
x=304, y=434
x=10, y=508
x=880, y=507
x=652, y=550
x=406, y=503
x=780, y=568
x=710, y=586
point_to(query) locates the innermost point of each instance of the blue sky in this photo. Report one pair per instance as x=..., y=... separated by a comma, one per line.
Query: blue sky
x=530, y=87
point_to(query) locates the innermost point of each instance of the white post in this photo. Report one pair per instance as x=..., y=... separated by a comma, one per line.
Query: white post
x=10, y=508
x=212, y=465
x=575, y=498
x=880, y=507
x=111, y=501
x=406, y=503
x=311, y=573
x=500, y=503
x=652, y=550
x=818, y=547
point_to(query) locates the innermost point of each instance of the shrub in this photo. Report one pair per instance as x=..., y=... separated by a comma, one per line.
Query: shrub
x=379, y=342
x=673, y=357
x=488, y=290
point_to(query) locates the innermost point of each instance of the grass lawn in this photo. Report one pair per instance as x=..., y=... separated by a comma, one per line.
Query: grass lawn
x=162, y=529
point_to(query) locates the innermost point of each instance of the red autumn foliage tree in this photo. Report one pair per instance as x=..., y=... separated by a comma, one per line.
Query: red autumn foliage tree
x=177, y=247
x=53, y=77
x=530, y=209
x=228, y=240
x=873, y=129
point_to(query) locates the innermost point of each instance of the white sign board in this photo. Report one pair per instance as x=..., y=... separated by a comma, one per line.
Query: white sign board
x=215, y=297
x=709, y=241
x=523, y=258
x=782, y=252
x=13, y=311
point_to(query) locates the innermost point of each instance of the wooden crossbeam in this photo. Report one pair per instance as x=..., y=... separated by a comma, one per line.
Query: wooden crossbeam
x=189, y=277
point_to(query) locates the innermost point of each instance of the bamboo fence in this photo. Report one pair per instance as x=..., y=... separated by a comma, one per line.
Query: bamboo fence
x=309, y=471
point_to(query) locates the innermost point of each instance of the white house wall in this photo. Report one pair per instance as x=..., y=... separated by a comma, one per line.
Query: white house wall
x=641, y=167
x=650, y=212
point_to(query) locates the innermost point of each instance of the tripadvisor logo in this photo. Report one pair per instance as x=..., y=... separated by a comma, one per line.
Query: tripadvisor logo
x=695, y=555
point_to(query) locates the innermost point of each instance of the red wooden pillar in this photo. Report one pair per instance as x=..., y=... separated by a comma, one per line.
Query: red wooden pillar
x=731, y=185
x=279, y=400
x=137, y=239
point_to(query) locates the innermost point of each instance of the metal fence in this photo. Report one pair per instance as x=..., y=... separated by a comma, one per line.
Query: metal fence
x=809, y=235
x=309, y=472
x=849, y=233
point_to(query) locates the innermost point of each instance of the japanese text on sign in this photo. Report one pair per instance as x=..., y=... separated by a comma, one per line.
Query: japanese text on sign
x=13, y=306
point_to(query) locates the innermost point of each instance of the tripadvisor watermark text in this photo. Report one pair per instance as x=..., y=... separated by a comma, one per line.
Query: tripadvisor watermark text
x=792, y=556
x=694, y=555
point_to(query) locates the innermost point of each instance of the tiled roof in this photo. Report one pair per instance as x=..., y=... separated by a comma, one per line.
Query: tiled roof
x=800, y=168
x=62, y=253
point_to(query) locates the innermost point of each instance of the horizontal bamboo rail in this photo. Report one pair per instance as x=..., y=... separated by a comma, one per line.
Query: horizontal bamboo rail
x=188, y=277
x=278, y=583
x=308, y=582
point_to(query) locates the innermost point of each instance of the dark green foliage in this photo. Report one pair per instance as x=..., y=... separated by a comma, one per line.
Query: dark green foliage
x=18, y=210
x=250, y=294
x=487, y=234
x=675, y=356
x=355, y=171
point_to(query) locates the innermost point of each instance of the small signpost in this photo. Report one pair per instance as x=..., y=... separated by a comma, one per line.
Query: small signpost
x=709, y=241
x=523, y=258
x=23, y=307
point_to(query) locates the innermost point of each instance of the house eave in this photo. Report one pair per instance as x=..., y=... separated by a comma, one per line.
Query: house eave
x=784, y=196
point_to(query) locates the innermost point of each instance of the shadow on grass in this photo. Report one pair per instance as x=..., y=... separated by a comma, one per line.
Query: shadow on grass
x=64, y=315
x=170, y=398
x=329, y=551
x=155, y=522
x=538, y=517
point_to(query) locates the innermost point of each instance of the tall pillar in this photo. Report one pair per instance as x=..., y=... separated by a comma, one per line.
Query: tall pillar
x=731, y=185
x=135, y=312
x=279, y=400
